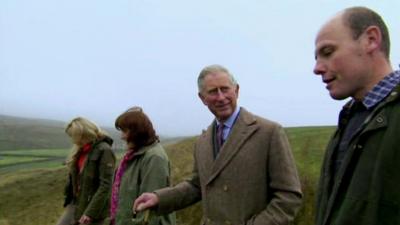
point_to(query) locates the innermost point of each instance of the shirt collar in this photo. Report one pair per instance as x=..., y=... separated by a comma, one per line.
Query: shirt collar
x=382, y=89
x=231, y=120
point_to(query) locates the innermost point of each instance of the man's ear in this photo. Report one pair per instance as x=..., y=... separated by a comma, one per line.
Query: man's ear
x=373, y=39
x=237, y=90
x=202, y=98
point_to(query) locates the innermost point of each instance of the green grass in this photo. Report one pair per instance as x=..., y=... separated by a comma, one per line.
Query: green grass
x=181, y=157
x=32, y=166
x=31, y=197
x=38, y=152
x=9, y=160
x=34, y=196
x=14, y=160
x=308, y=146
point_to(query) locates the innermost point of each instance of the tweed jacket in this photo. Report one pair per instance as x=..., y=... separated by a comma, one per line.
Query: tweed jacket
x=90, y=190
x=366, y=188
x=253, y=180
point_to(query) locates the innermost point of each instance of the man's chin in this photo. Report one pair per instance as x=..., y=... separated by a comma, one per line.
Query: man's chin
x=336, y=96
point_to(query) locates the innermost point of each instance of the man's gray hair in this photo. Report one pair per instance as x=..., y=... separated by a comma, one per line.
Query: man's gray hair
x=213, y=69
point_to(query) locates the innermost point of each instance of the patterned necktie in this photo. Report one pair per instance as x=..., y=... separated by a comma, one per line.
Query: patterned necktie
x=220, y=135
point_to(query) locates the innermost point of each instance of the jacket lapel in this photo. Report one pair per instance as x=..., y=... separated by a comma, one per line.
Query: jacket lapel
x=243, y=128
x=204, y=151
x=346, y=162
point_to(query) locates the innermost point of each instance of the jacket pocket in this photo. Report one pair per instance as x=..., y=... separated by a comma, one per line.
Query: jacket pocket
x=92, y=165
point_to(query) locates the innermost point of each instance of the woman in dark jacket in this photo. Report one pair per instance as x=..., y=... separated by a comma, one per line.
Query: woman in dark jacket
x=145, y=167
x=91, y=168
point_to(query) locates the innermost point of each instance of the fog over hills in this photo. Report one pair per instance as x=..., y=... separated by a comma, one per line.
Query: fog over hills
x=32, y=133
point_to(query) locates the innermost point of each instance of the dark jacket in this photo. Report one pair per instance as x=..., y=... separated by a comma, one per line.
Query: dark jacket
x=95, y=182
x=366, y=189
x=147, y=171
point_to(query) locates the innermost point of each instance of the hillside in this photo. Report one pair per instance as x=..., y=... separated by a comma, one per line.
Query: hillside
x=35, y=197
x=26, y=133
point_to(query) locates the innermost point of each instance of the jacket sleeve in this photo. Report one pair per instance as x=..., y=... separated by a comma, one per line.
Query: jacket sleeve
x=154, y=174
x=68, y=191
x=101, y=197
x=180, y=196
x=284, y=184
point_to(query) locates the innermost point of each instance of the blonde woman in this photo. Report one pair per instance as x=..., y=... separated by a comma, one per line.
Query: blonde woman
x=91, y=169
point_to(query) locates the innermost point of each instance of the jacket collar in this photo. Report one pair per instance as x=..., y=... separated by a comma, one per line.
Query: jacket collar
x=244, y=126
x=144, y=149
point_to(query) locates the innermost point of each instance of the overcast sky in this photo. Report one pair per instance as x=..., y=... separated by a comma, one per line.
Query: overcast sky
x=96, y=58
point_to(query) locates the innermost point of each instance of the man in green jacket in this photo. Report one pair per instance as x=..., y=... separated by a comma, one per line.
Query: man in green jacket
x=360, y=177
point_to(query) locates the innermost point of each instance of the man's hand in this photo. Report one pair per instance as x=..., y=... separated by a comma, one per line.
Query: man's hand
x=145, y=201
x=85, y=220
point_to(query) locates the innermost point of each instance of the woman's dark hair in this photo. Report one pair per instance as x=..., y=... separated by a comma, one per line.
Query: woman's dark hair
x=138, y=126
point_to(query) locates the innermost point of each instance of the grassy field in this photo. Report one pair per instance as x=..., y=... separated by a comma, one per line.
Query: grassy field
x=30, y=195
x=10, y=160
x=15, y=160
x=38, y=152
x=308, y=145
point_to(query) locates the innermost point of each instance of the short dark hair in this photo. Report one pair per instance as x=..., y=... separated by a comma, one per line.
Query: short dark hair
x=360, y=18
x=139, y=127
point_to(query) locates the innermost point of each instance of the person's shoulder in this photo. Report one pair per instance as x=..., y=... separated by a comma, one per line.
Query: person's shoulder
x=103, y=146
x=101, y=150
x=155, y=149
x=394, y=95
x=250, y=117
x=105, y=141
x=205, y=132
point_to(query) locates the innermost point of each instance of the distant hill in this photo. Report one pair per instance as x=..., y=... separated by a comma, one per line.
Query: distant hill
x=28, y=133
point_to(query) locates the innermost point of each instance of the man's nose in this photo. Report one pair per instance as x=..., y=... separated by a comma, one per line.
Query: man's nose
x=220, y=94
x=319, y=68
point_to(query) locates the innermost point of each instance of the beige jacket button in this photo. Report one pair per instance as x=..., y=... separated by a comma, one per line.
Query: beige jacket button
x=225, y=188
x=227, y=222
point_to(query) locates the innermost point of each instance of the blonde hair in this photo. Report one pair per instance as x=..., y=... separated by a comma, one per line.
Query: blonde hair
x=81, y=131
